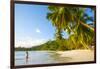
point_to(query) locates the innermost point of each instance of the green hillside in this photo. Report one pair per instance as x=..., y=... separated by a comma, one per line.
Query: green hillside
x=50, y=45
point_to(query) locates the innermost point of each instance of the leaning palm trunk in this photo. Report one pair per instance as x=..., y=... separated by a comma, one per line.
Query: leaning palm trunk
x=87, y=26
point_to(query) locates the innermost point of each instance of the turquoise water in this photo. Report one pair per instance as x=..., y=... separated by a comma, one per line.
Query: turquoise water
x=38, y=57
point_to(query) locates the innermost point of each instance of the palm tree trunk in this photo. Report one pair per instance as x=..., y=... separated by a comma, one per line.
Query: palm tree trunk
x=87, y=26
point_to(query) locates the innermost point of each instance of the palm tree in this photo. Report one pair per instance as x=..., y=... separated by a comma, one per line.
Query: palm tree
x=59, y=17
x=81, y=17
x=74, y=20
x=83, y=33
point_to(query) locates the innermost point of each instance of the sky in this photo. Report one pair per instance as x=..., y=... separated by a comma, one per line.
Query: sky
x=32, y=28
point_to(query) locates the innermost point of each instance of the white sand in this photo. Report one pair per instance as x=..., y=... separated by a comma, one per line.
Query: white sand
x=78, y=55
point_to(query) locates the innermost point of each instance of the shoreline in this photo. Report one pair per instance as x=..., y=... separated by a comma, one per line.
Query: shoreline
x=70, y=55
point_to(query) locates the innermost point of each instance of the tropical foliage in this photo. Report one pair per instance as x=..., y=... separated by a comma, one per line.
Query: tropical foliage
x=75, y=21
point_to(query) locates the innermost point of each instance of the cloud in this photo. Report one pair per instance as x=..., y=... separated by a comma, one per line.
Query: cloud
x=29, y=42
x=38, y=30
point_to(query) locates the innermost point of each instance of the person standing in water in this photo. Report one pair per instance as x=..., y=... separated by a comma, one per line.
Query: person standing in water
x=27, y=57
x=26, y=54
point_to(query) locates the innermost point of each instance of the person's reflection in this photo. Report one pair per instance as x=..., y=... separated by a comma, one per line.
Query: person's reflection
x=27, y=57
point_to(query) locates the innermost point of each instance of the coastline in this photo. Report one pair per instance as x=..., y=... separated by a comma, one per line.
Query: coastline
x=71, y=55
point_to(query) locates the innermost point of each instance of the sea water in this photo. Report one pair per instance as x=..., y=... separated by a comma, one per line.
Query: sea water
x=38, y=57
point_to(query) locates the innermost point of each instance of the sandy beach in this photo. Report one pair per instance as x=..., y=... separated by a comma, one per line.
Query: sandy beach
x=78, y=55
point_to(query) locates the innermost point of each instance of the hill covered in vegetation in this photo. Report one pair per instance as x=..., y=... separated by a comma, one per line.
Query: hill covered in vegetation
x=50, y=45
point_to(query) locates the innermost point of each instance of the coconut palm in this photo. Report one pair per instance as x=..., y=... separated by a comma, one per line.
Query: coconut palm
x=86, y=31
x=75, y=21
x=59, y=16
